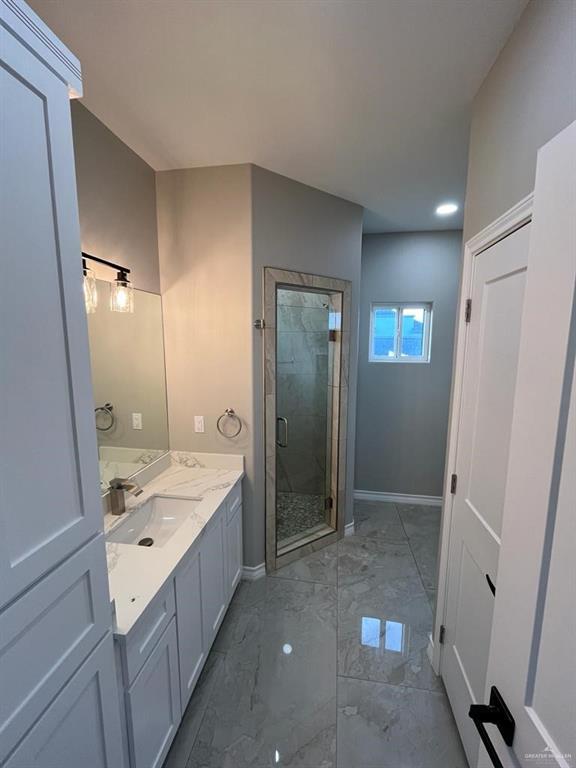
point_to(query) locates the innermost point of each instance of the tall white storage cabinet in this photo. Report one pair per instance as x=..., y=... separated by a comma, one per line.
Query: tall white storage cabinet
x=59, y=700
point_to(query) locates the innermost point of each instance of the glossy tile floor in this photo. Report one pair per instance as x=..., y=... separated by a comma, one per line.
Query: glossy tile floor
x=324, y=665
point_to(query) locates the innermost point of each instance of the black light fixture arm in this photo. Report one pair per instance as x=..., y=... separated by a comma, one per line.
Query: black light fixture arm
x=111, y=264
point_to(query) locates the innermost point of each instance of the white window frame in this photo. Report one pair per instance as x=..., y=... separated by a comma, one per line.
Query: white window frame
x=399, y=306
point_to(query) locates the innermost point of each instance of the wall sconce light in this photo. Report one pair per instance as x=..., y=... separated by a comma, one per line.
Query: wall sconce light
x=90, y=291
x=121, y=294
x=121, y=290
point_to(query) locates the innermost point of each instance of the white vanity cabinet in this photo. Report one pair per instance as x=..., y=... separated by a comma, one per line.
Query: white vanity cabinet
x=213, y=576
x=163, y=654
x=234, y=544
x=190, y=636
x=153, y=703
x=80, y=727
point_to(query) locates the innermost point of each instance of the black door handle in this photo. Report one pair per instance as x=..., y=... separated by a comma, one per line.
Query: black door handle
x=491, y=584
x=499, y=715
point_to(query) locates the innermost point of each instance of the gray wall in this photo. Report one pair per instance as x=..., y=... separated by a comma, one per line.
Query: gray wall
x=527, y=98
x=117, y=201
x=300, y=228
x=402, y=408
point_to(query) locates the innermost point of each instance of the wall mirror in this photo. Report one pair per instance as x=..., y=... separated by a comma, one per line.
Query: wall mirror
x=129, y=383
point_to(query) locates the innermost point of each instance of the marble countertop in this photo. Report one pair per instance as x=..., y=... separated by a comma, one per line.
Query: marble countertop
x=136, y=574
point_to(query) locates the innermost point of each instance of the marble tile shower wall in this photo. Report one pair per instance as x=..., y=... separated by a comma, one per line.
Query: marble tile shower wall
x=302, y=390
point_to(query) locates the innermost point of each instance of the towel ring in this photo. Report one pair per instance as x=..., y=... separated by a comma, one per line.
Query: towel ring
x=108, y=409
x=229, y=413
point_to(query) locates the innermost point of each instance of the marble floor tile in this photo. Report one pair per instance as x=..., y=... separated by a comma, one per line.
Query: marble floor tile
x=378, y=519
x=275, y=702
x=419, y=519
x=365, y=563
x=319, y=566
x=324, y=663
x=431, y=594
x=422, y=526
x=388, y=726
x=425, y=553
x=384, y=616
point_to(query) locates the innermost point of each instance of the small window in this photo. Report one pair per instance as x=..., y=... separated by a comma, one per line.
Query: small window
x=400, y=333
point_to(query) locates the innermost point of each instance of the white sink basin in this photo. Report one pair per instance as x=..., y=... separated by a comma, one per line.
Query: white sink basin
x=157, y=520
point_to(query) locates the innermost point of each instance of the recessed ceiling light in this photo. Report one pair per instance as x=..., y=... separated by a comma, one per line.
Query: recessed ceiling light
x=446, y=209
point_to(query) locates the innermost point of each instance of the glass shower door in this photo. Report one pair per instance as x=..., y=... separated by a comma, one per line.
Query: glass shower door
x=303, y=415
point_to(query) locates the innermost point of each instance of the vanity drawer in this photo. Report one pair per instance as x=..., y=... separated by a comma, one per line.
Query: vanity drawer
x=138, y=644
x=234, y=501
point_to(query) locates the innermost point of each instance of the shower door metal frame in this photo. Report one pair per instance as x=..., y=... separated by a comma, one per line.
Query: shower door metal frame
x=340, y=292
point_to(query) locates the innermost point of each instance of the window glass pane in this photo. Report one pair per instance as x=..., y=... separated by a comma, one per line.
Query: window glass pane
x=384, y=332
x=412, y=341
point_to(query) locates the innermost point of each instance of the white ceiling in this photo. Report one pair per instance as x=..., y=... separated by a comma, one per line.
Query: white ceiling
x=366, y=99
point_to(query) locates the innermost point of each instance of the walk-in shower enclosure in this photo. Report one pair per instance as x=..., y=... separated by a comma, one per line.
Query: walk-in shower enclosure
x=306, y=350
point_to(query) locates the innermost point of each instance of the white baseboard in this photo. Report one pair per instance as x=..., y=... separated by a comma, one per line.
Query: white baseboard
x=349, y=529
x=398, y=498
x=253, y=572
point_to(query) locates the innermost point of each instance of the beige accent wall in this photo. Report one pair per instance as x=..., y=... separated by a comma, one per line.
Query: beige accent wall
x=204, y=227
x=217, y=228
x=127, y=361
x=117, y=201
x=527, y=98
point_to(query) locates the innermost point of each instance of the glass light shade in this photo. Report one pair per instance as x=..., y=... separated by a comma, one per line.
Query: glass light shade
x=121, y=295
x=90, y=291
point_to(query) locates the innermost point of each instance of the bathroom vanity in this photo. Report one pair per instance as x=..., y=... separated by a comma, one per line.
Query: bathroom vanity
x=170, y=595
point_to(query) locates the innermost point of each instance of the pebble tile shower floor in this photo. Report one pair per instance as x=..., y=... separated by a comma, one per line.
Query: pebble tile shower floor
x=297, y=513
x=324, y=665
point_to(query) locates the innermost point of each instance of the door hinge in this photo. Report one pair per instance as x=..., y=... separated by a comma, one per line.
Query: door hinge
x=468, y=313
x=442, y=634
x=259, y=324
x=328, y=503
x=453, y=483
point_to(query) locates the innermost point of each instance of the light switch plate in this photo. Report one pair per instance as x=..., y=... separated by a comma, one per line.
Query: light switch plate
x=198, y=423
x=136, y=421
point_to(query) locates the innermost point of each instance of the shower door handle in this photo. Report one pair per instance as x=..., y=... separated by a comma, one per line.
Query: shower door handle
x=279, y=442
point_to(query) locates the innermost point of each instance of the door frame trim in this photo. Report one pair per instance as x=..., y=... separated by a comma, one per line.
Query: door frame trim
x=341, y=293
x=516, y=217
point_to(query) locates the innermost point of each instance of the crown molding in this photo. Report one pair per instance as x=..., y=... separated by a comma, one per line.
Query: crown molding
x=17, y=18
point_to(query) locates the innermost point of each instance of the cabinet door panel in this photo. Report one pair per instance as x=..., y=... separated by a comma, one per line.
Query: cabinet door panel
x=50, y=491
x=234, y=552
x=189, y=618
x=81, y=726
x=153, y=704
x=212, y=570
x=45, y=636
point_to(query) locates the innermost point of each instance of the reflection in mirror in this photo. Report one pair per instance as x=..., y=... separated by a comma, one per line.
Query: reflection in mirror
x=129, y=383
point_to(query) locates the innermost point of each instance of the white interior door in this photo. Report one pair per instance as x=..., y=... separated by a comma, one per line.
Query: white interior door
x=490, y=367
x=532, y=655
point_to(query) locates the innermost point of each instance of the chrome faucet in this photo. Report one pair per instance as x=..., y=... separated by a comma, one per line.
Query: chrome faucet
x=117, y=488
